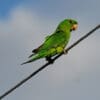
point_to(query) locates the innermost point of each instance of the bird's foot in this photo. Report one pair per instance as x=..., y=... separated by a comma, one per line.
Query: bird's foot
x=49, y=60
x=65, y=52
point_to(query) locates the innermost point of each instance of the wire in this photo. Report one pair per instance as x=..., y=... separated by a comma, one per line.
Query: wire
x=48, y=63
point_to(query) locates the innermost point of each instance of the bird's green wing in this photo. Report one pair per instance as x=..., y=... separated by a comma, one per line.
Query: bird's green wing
x=37, y=49
x=54, y=41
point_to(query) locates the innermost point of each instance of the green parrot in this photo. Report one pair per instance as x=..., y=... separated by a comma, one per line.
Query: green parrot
x=55, y=43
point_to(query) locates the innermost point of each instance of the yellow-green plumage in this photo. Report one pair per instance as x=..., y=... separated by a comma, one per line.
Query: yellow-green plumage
x=55, y=43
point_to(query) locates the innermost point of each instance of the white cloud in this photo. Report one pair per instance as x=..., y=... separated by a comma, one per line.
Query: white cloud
x=20, y=20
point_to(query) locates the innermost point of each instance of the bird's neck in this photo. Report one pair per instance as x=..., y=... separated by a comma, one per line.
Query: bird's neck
x=66, y=33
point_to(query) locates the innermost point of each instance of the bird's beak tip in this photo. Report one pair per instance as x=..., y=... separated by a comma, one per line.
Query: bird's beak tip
x=75, y=26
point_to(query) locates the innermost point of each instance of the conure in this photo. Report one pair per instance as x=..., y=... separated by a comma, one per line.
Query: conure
x=56, y=42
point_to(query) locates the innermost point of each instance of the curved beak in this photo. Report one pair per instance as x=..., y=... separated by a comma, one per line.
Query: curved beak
x=74, y=27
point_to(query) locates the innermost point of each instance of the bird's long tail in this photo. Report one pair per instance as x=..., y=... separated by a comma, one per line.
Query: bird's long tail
x=33, y=58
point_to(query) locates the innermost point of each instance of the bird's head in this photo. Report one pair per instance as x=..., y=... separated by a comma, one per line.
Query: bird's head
x=67, y=25
x=73, y=24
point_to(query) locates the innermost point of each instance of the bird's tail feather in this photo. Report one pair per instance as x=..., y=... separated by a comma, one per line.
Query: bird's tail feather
x=33, y=58
x=31, y=55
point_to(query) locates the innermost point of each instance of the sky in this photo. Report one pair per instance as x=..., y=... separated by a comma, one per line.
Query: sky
x=23, y=26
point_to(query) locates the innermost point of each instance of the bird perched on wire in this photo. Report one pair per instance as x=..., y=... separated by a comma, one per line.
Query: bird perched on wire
x=55, y=43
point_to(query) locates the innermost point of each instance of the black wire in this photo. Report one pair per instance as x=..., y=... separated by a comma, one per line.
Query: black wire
x=48, y=63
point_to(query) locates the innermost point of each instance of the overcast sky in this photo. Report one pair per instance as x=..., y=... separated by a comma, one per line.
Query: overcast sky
x=23, y=26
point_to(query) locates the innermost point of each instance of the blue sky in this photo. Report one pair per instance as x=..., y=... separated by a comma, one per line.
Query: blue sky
x=7, y=5
x=23, y=26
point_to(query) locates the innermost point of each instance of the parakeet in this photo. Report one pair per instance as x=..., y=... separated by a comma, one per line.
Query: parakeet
x=56, y=42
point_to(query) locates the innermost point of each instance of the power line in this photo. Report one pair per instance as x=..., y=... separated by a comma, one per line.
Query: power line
x=48, y=63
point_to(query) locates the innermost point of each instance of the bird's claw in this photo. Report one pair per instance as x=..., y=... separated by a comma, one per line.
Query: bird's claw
x=65, y=52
